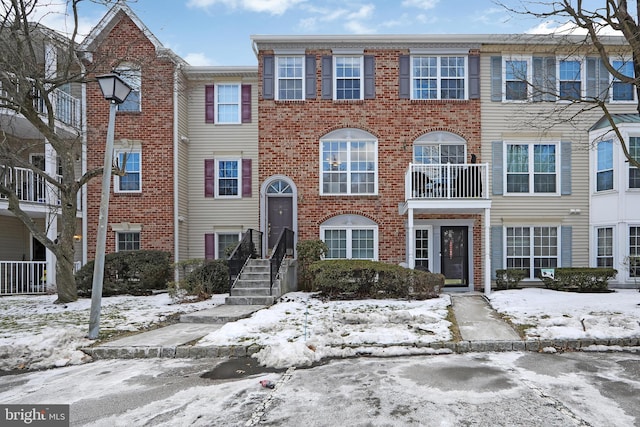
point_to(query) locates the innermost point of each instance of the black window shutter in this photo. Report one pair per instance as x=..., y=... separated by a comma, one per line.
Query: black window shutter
x=405, y=76
x=327, y=77
x=310, y=77
x=369, y=77
x=268, y=76
x=246, y=103
x=209, y=104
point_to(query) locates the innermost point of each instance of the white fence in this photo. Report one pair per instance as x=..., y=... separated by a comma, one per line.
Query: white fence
x=22, y=277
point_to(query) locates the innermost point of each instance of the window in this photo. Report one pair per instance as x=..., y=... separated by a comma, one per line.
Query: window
x=127, y=241
x=604, y=174
x=623, y=91
x=516, y=78
x=634, y=251
x=438, y=77
x=131, y=181
x=570, y=87
x=634, y=152
x=227, y=178
x=532, y=248
x=531, y=166
x=350, y=237
x=604, y=255
x=290, y=77
x=422, y=249
x=132, y=76
x=348, y=77
x=227, y=105
x=225, y=241
x=349, y=162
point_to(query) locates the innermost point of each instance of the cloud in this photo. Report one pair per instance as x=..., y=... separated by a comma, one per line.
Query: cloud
x=54, y=15
x=554, y=27
x=198, y=58
x=274, y=7
x=420, y=4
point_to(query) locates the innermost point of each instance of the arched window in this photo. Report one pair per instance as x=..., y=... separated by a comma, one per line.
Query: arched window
x=132, y=75
x=439, y=148
x=350, y=237
x=279, y=186
x=348, y=162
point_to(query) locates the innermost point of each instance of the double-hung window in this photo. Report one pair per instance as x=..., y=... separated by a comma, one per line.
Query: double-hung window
x=226, y=241
x=438, y=77
x=532, y=248
x=290, y=77
x=133, y=77
x=570, y=79
x=131, y=180
x=127, y=241
x=634, y=152
x=604, y=247
x=516, y=78
x=634, y=251
x=227, y=103
x=531, y=168
x=622, y=91
x=349, y=162
x=350, y=237
x=348, y=73
x=228, y=177
x=604, y=173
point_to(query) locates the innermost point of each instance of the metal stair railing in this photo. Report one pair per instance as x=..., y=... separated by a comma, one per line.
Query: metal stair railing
x=283, y=248
x=249, y=247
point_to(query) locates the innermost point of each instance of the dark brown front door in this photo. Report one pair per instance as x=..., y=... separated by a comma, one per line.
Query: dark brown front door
x=279, y=217
x=455, y=255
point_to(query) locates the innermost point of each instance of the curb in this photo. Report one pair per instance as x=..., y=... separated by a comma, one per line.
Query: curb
x=448, y=347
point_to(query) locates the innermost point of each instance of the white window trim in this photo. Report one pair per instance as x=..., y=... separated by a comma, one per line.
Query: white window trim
x=335, y=77
x=439, y=76
x=532, y=246
x=627, y=248
x=613, y=168
x=613, y=244
x=531, y=172
x=529, y=61
x=582, y=76
x=302, y=78
x=116, y=178
x=217, y=234
x=430, y=252
x=217, y=94
x=629, y=165
x=348, y=140
x=118, y=233
x=217, y=177
x=612, y=80
x=349, y=238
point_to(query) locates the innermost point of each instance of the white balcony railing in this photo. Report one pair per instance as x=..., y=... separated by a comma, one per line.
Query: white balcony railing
x=67, y=107
x=446, y=181
x=22, y=277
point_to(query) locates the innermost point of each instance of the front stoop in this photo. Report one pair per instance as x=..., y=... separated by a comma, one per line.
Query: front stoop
x=253, y=285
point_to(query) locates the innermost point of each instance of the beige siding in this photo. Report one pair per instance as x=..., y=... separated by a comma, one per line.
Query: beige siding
x=209, y=141
x=183, y=170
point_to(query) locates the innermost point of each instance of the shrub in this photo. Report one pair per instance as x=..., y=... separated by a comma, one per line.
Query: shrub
x=580, y=279
x=371, y=279
x=308, y=252
x=202, y=278
x=509, y=279
x=131, y=272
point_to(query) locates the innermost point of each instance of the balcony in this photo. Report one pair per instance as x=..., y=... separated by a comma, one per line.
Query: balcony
x=25, y=277
x=442, y=188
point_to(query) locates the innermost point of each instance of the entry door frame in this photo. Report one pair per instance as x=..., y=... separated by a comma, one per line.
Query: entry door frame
x=264, y=208
x=447, y=252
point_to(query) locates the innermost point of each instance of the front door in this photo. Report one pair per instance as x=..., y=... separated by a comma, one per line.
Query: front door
x=279, y=217
x=455, y=255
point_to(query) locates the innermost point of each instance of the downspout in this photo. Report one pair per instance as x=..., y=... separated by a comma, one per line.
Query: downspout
x=176, y=174
x=83, y=157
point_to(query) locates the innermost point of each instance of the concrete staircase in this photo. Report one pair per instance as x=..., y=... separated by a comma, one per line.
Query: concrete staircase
x=252, y=286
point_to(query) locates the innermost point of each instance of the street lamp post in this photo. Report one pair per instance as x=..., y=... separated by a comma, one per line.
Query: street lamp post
x=115, y=90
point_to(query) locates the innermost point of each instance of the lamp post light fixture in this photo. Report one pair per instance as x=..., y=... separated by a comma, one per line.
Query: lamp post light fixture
x=114, y=90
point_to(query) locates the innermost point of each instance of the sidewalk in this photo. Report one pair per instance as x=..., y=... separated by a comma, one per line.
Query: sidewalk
x=480, y=326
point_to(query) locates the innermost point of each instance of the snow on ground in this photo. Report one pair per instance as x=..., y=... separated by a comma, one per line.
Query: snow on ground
x=548, y=314
x=36, y=333
x=301, y=329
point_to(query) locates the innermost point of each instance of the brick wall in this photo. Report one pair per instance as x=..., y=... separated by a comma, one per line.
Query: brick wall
x=152, y=127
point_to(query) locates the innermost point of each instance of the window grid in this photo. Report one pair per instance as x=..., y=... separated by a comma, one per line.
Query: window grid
x=438, y=77
x=520, y=164
x=516, y=78
x=228, y=178
x=570, y=81
x=128, y=241
x=227, y=103
x=622, y=91
x=604, y=174
x=131, y=181
x=634, y=251
x=349, y=167
x=133, y=77
x=350, y=243
x=348, y=77
x=290, y=77
x=336, y=241
x=226, y=240
x=422, y=249
x=604, y=251
x=634, y=152
x=524, y=251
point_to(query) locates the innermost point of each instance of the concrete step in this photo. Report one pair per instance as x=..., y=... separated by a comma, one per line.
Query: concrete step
x=252, y=284
x=220, y=314
x=255, y=276
x=249, y=300
x=247, y=292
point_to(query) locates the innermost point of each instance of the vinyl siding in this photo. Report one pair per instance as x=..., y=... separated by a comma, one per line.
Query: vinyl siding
x=183, y=171
x=209, y=141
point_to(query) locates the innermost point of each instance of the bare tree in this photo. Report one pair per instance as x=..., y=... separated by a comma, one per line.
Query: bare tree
x=39, y=70
x=597, y=21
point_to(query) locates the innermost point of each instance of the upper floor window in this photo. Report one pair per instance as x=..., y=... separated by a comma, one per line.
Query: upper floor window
x=570, y=81
x=604, y=173
x=348, y=72
x=227, y=103
x=516, y=77
x=438, y=77
x=531, y=168
x=634, y=152
x=439, y=148
x=622, y=91
x=133, y=77
x=349, y=162
x=131, y=181
x=350, y=237
x=290, y=77
x=228, y=178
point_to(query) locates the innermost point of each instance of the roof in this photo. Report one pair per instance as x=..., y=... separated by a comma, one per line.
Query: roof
x=201, y=72
x=617, y=119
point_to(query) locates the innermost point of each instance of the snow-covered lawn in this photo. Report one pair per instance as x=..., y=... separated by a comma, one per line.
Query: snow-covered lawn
x=301, y=329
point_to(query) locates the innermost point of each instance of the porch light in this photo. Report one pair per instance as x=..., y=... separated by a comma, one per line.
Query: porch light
x=113, y=88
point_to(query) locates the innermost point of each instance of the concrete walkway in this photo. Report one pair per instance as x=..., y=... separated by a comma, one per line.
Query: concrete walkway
x=477, y=321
